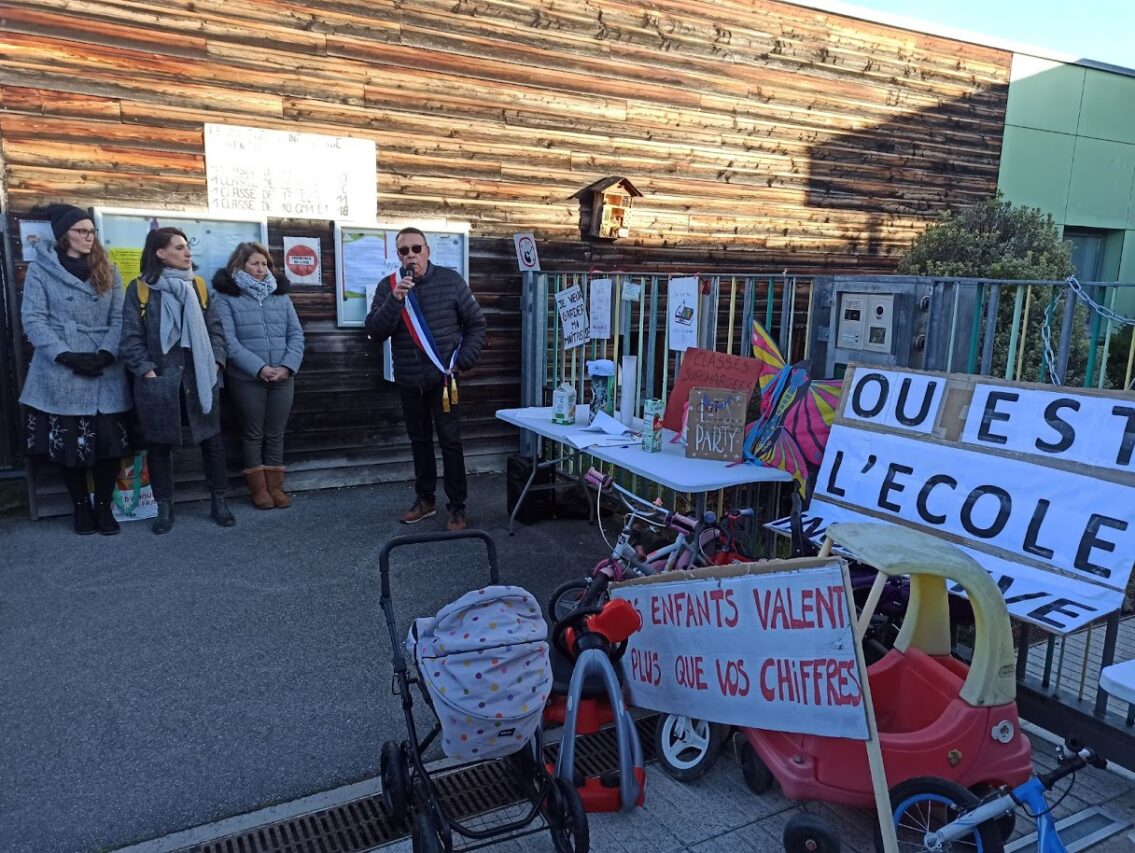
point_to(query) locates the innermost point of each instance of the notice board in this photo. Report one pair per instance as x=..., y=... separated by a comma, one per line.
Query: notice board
x=211, y=239
x=1035, y=482
x=366, y=254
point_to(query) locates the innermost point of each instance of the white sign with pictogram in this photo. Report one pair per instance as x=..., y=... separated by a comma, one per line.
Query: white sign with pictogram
x=526, y=256
x=301, y=260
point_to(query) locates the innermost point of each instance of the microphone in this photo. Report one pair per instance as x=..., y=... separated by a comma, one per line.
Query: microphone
x=403, y=272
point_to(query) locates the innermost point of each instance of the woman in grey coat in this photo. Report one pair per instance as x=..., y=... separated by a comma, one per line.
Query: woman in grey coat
x=173, y=344
x=75, y=395
x=265, y=347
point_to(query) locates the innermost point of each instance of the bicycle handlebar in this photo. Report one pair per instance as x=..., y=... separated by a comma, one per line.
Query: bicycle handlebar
x=1081, y=757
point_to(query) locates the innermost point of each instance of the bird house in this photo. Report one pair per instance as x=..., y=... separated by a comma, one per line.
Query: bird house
x=605, y=208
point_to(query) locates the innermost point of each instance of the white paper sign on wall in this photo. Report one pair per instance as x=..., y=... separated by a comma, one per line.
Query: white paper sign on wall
x=526, y=256
x=682, y=312
x=600, y=308
x=302, y=260
x=573, y=316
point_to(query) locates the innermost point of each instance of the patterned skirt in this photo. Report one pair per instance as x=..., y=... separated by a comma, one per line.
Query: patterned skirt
x=76, y=441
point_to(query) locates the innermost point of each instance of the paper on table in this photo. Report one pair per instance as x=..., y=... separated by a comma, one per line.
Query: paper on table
x=605, y=423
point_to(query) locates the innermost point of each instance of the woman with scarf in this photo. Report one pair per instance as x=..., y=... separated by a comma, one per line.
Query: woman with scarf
x=265, y=347
x=174, y=345
x=76, y=396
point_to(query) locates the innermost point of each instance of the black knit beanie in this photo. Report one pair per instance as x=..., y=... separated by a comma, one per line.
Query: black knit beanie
x=63, y=217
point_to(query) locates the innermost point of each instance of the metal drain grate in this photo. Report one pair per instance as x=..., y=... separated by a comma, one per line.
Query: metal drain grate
x=364, y=824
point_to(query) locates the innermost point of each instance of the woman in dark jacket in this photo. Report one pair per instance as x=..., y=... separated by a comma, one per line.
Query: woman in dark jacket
x=76, y=396
x=173, y=344
x=265, y=347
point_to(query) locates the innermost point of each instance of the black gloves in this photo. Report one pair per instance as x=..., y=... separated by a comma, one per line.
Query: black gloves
x=86, y=363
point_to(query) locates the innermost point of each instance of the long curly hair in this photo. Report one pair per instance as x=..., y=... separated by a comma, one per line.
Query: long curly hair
x=102, y=272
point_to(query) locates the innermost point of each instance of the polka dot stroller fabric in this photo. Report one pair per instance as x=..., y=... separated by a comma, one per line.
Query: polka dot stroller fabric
x=484, y=660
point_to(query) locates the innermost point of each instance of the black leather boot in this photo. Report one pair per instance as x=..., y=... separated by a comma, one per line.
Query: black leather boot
x=164, y=521
x=104, y=517
x=84, y=518
x=219, y=511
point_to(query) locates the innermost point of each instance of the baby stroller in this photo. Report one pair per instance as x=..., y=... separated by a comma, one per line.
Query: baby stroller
x=482, y=666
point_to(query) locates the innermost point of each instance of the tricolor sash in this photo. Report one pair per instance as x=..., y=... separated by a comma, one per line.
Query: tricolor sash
x=419, y=331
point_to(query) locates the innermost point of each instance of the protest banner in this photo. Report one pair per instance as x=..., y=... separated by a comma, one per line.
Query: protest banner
x=704, y=368
x=1036, y=483
x=715, y=428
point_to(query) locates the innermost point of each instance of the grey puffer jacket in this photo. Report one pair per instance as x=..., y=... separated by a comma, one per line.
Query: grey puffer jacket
x=452, y=315
x=61, y=314
x=158, y=399
x=258, y=334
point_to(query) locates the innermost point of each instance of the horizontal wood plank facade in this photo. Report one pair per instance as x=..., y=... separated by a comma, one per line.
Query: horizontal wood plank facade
x=762, y=135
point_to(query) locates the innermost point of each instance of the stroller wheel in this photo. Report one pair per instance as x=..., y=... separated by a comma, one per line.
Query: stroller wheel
x=567, y=820
x=805, y=833
x=427, y=835
x=395, y=781
x=686, y=747
x=757, y=775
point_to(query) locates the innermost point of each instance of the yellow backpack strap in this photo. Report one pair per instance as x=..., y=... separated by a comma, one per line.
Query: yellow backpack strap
x=144, y=293
x=202, y=290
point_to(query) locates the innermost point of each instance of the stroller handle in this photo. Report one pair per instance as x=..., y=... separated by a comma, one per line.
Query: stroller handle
x=439, y=536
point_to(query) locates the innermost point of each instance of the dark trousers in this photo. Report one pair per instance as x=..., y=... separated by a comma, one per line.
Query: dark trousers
x=160, y=461
x=264, y=408
x=423, y=413
x=105, y=475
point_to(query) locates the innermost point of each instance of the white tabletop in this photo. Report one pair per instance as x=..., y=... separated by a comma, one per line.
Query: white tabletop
x=669, y=468
x=1119, y=680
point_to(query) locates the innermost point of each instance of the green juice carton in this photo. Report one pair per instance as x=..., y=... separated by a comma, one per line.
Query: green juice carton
x=563, y=404
x=652, y=411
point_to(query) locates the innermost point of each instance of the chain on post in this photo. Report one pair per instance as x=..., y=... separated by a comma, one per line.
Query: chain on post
x=1046, y=330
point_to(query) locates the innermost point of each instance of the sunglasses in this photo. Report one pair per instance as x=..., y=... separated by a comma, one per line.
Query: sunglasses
x=405, y=250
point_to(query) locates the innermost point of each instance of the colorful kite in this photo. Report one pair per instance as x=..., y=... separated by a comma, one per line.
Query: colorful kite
x=796, y=413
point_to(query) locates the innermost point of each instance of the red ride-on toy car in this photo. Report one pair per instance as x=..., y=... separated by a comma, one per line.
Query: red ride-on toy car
x=935, y=715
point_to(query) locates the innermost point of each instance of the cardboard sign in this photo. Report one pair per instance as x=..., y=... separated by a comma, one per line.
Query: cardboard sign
x=767, y=645
x=1036, y=483
x=573, y=316
x=703, y=368
x=715, y=426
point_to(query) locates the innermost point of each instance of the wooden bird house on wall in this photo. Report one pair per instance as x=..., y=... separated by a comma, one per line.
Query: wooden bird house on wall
x=605, y=208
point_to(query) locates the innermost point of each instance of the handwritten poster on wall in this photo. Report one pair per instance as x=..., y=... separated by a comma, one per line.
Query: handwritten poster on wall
x=705, y=368
x=600, y=308
x=290, y=174
x=1036, y=483
x=769, y=646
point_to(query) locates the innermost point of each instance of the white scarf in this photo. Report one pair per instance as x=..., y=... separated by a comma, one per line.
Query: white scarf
x=183, y=322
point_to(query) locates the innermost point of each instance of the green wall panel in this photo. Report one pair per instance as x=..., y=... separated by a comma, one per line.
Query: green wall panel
x=1044, y=95
x=1035, y=169
x=1099, y=195
x=1108, y=110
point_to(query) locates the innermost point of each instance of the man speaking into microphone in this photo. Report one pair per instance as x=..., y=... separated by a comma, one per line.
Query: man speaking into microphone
x=436, y=330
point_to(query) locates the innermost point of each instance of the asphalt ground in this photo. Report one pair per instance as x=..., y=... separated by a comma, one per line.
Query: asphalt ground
x=153, y=683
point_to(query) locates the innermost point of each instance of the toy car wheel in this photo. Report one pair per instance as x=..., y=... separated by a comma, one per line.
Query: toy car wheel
x=686, y=748
x=925, y=803
x=427, y=834
x=395, y=780
x=1008, y=821
x=566, y=597
x=567, y=820
x=757, y=775
x=806, y=833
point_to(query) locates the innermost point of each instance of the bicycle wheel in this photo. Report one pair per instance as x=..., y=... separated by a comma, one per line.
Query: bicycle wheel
x=566, y=597
x=928, y=803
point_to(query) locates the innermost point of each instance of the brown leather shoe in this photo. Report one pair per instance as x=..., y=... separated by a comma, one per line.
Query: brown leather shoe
x=457, y=520
x=418, y=511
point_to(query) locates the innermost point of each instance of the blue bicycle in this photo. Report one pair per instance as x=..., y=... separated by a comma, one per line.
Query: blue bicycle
x=936, y=814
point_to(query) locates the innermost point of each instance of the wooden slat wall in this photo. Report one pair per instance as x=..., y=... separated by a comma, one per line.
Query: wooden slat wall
x=763, y=136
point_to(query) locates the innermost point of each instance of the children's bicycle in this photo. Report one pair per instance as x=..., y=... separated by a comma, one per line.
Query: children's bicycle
x=935, y=814
x=686, y=747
